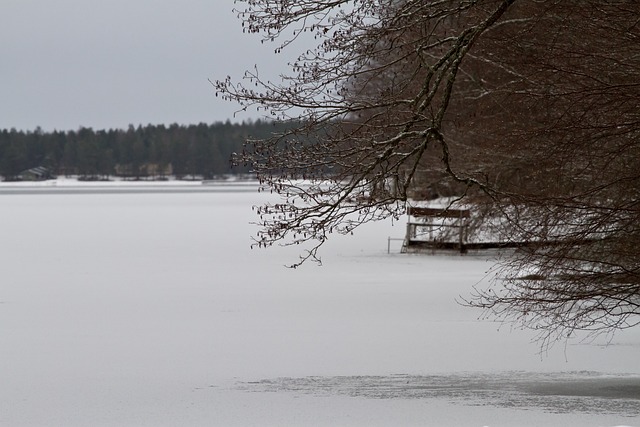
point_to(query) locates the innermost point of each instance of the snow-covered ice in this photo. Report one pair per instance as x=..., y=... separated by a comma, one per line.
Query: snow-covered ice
x=146, y=307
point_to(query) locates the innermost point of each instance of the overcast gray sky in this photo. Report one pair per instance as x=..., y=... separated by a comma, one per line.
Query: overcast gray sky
x=111, y=63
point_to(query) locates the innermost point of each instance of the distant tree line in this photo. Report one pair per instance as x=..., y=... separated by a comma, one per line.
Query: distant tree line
x=152, y=151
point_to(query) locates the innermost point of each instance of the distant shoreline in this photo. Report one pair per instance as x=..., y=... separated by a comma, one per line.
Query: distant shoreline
x=117, y=186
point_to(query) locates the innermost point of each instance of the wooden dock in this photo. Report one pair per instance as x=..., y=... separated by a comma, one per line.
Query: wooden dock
x=425, y=225
x=424, y=221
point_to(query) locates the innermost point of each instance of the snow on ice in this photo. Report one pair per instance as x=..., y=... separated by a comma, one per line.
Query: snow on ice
x=148, y=308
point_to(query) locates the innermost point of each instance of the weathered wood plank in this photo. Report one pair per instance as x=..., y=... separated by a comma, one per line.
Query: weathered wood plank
x=438, y=212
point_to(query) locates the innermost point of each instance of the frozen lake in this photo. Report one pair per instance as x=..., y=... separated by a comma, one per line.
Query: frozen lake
x=129, y=305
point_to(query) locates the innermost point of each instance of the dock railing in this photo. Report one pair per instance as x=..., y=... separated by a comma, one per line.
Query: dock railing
x=432, y=220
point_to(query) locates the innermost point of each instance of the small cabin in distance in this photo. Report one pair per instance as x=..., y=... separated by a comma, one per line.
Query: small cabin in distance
x=39, y=173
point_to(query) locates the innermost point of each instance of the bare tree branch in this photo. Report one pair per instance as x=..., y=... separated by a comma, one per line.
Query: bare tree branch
x=528, y=112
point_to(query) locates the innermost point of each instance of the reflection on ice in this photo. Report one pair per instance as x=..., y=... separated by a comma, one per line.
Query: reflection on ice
x=573, y=392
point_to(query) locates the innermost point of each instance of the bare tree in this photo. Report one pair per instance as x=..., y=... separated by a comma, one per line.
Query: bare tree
x=529, y=110
x=562, y=110
x=373, y=95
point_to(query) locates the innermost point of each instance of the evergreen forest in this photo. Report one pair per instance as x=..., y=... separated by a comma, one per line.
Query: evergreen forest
x=201, y=151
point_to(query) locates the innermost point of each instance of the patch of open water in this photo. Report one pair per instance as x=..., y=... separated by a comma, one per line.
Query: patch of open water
x=559, y=393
